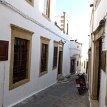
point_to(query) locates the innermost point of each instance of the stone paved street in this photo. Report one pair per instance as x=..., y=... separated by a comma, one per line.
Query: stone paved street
x=58, y=95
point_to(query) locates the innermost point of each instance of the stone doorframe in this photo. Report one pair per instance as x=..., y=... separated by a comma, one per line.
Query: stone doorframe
x=95, y=71
x=97, y=34
x=61, y=48
x=106, y=92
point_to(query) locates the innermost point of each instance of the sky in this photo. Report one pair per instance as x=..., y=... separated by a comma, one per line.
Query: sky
x=79, y=12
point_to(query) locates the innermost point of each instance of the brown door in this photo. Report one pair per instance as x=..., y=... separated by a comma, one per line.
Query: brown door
x=99, y=67
x=72, y=63
x=60, y=62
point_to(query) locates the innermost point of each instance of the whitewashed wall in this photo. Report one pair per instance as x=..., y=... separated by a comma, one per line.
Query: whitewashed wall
x=36, y=84
x=99, y=14
x=75, y=52
x=102, y=89
x=83, y=68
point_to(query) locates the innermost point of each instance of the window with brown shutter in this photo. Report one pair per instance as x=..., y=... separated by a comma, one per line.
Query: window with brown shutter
x=20, y=59
x=103, y=61
x=55, y=55
x=84, y=64
x=44, y=56
x=46, y=8
x=77, y=63
x=20, y=56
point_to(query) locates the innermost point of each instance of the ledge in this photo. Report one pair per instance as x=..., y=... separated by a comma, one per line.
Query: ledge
x=46, y=17
x=94, y=103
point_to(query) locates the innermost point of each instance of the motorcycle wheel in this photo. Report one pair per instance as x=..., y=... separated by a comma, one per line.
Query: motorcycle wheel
x=80, y=91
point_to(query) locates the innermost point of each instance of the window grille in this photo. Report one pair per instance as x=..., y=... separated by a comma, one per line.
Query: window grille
x=55, y=57
x=44, y=55
x=20, y=59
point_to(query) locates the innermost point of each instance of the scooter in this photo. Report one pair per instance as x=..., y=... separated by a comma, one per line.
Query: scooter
x=81, y=83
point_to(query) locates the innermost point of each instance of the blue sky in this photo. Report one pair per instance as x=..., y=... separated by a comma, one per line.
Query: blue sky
x=79, y=12
x=74, y=7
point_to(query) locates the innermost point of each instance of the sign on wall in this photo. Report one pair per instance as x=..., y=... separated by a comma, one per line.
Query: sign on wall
x=3, y=50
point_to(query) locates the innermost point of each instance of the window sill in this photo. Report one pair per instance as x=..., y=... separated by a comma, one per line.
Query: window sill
x=17, y=84
x=46, y=17
x=43, y=73
x=31, y=3
x=94, y=103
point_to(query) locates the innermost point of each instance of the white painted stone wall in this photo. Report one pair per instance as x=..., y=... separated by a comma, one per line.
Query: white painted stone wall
x=36, y=84
x=75, y=52
x=99, y=14
x=83, y=67
x=102, y=89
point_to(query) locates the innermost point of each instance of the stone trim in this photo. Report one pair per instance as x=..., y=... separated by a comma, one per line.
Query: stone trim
x=31, y=2
x=95, y=71
x=24, y=34
x=45, y=41
x=94, y=103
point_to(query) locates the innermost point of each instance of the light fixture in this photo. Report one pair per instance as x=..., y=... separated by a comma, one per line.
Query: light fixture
x=62, y=42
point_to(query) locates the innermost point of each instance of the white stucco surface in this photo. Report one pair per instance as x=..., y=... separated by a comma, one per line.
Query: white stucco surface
x=36, y=84
x=102, y=89
x=75, y=52
x=99, y=14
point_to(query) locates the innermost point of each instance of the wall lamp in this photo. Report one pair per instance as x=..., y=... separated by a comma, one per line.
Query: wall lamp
x=62, y=42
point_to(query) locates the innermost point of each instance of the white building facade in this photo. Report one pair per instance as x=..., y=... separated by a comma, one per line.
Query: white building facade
x=75, y=56
x=84, y=64
x=33, y=49
x=98, y=55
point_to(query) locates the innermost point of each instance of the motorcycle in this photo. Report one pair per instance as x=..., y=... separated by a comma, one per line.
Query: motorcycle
x=81, y=83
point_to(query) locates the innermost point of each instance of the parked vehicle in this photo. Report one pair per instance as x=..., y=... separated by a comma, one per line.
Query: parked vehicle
x=81, y=83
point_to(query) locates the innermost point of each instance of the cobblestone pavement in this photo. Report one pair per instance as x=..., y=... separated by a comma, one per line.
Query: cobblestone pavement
x=58, y=95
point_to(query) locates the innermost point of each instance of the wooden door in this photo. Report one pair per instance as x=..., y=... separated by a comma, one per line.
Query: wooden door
x=60, y=62
x=99, y=67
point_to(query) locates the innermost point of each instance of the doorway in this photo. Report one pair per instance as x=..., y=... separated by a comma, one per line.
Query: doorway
x=99, y=67
x=72, y=66
x=60, y=62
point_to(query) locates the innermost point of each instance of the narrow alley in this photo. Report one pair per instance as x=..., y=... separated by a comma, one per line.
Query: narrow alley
x=44, y=44
x=58, y=95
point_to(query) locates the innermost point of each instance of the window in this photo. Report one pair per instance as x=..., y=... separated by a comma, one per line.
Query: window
x=84, y=64
x=77, y=63
x=20, y=56
x=31, y=2
x=46, y=8
x=44, y=56
x=55, y=55
x=20, y=59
